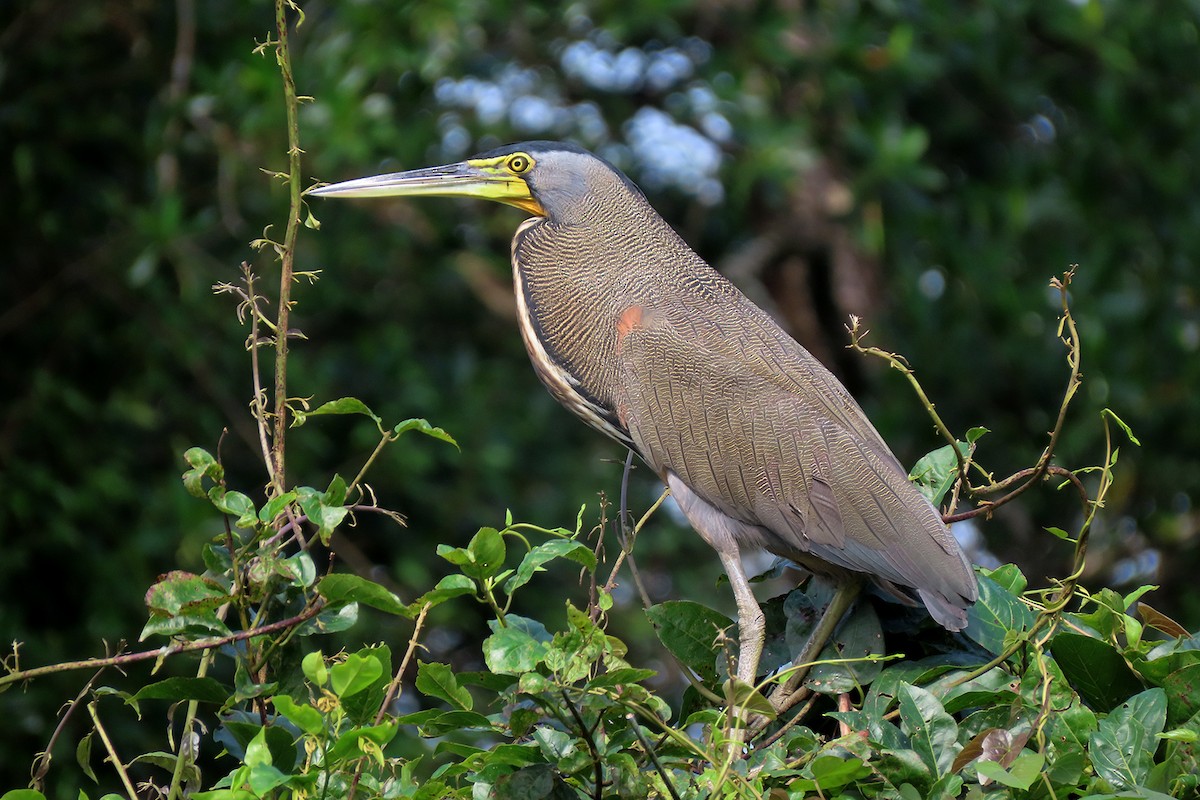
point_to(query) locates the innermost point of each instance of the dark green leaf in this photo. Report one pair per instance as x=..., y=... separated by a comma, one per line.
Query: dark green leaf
x=438, y=680
x=995, y=613
x=858, y=637
x=83, y=756
x=1183, y=693
x=205, y=690
x=690, y=630
x=435, y=722
x=487, y=552
x=1122, y=749
x=619, y=677
x=932, y=732
x=1094, y=668
x=342, y=588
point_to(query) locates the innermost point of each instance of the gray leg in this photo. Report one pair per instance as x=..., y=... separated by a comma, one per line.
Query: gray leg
x=751, y=621
x=721, y=532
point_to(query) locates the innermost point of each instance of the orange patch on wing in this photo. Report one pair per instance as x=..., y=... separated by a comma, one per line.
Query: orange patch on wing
x=630, y=318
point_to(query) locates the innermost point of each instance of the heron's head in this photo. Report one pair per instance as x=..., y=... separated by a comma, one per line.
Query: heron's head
x=549, y=179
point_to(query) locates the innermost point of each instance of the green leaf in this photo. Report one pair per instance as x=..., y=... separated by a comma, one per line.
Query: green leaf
x=932, y=732
x=257, y=752
x=995, y=613
x=831, y=773
x=1009, y=577
x=545, y=552
x=975, y=434
x=487, y=552
x=1094, y=668
x=620, y=677
x=422, y=426
x=302, y=715
x=362, y=707
x=298, y=569
x=438, y=680
x=354, y=674
x=275, y=506
x=1108, y=412
x=935, y=472
x=512, y=651
x=181, y=601
x=1122, y=749
x=264, y=778
x=435, y=722
x=325, y=509
x=313, y=666
x=22, y=794
x=1069, y=729
x=1020, y=775
x=481, y=558
x=858, y=637
x=689, y=630
x=993, y=688
x=203, y=465
x=204, y=690
x=341, y=588
x=1058, y=532
x=447, y=588
x=235, y=504
x=345, y=405
x=331, y=620
x=747, y=699
x=83, y=756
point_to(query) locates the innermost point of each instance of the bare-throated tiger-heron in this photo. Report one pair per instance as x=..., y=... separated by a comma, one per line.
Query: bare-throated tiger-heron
x=760, y=445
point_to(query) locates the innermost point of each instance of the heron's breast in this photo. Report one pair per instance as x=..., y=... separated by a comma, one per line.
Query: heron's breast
x=569, y=330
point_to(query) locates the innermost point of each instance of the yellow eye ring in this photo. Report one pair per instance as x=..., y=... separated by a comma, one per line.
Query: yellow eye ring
x=520, y=163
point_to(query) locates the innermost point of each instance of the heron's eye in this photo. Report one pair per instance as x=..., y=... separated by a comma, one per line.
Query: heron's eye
x=520, y=163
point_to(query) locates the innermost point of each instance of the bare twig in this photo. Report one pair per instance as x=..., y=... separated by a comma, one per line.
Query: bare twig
x=14, y=676
x=287, y=249
x=42, y=764
x=112, y=752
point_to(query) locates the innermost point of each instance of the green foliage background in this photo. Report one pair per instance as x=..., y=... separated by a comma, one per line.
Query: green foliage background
x=947, y=158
